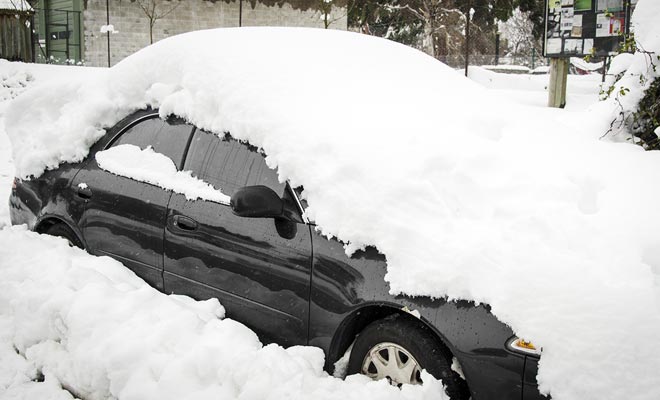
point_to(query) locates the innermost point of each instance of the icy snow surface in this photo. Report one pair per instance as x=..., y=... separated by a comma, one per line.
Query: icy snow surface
x=468, y=195
x=157, y=169
x=55, y=320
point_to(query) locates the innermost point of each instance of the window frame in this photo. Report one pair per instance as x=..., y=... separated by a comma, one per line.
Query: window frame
x=152, y=115
x=287, y=186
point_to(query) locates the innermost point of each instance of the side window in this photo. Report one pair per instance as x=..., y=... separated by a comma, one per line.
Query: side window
x=166, y=137
x=229, y=165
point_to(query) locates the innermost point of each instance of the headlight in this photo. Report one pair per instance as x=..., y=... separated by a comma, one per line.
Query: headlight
x=523, y=346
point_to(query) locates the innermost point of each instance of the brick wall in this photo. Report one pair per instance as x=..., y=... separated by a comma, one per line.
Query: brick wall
x=133, y=26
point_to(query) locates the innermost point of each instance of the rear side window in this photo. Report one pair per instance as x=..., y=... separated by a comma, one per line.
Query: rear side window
x=166, y=137
x=228, y=164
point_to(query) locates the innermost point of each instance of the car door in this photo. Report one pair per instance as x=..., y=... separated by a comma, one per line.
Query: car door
x=125, y=218
x=261, y=277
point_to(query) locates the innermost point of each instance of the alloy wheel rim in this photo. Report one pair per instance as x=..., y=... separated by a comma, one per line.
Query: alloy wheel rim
x=392, y=362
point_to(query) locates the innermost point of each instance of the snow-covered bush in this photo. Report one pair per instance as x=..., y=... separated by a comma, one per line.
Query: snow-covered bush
x=634, y=83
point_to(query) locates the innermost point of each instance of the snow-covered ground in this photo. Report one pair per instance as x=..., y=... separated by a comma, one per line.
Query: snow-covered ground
x=530, y=202
x=582, y=90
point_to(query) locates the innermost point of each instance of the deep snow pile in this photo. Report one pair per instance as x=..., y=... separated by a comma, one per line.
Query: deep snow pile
x=15, y=78
x=466, y=195
x=55, y=323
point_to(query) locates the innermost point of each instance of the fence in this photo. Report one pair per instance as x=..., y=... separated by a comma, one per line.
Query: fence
x=15, y=36
x=530, y=61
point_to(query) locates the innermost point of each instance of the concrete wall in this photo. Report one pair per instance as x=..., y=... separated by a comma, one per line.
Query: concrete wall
x=133, y=25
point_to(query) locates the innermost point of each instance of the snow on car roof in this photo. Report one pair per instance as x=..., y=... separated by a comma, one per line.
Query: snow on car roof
x=467, y=195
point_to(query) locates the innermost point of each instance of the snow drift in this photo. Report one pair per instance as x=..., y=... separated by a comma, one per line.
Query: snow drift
x=468, y=197
x=147, y=345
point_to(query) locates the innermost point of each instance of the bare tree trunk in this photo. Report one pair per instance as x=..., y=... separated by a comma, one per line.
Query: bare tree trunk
x=429, y=39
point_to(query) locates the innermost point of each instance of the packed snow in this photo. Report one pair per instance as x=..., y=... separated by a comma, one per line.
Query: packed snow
x=532, y=89
x=157, y=169
x=468, y=195
x=57, y=331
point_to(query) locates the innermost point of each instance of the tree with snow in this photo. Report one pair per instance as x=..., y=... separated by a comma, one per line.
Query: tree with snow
x=632, y=87
x=518, y=31
x=435, y=26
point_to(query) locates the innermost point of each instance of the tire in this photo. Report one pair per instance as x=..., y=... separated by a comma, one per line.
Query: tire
x=64, y=232
x=409, y=343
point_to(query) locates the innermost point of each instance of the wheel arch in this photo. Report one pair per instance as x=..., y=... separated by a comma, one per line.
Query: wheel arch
x=45, y=222
x=359, y=318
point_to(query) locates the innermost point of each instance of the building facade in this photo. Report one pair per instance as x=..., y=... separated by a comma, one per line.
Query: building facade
x=15, y=30
x=79, y=31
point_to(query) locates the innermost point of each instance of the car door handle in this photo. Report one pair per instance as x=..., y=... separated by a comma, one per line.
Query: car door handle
x=84, y=192
x=185, y=223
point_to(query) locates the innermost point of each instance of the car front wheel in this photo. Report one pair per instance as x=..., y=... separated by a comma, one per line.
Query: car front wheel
x=398, y=349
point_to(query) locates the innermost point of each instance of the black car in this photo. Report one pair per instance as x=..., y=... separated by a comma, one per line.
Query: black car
x=267, y=264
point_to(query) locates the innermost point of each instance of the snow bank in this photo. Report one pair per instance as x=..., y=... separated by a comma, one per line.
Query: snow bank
x=467, y=195
x=91, y=326
x=157, y=169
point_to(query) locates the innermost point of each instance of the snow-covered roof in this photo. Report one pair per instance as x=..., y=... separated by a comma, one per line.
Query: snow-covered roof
x=467, y=195
x=15, y=5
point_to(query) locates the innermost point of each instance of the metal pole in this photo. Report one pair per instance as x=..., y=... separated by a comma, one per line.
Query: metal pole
x=68, y=55
x=497, y=48
x=79, y=40
x=604, y=69
x=33, y=38
x=467, y=38
x=107, y=22
x=240, y=13
x=47, y=29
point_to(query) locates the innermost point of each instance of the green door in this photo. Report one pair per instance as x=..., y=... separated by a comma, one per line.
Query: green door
x=60, y=31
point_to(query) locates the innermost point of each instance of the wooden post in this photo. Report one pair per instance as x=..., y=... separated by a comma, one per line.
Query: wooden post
x=557, y=85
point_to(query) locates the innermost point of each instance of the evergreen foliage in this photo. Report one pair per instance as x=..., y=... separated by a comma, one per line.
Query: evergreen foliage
x=647, y=117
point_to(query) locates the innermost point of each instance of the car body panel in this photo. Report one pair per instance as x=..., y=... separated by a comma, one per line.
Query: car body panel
x=260, y=277
x=343, y=287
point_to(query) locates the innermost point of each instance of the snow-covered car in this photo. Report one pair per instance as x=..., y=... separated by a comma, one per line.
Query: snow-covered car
x=347, y=192
x=253, y=248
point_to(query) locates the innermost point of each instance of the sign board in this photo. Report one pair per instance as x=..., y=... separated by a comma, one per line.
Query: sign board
x=576, y=28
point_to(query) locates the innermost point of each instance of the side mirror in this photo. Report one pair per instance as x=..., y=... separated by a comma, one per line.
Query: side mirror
x=256, y=202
